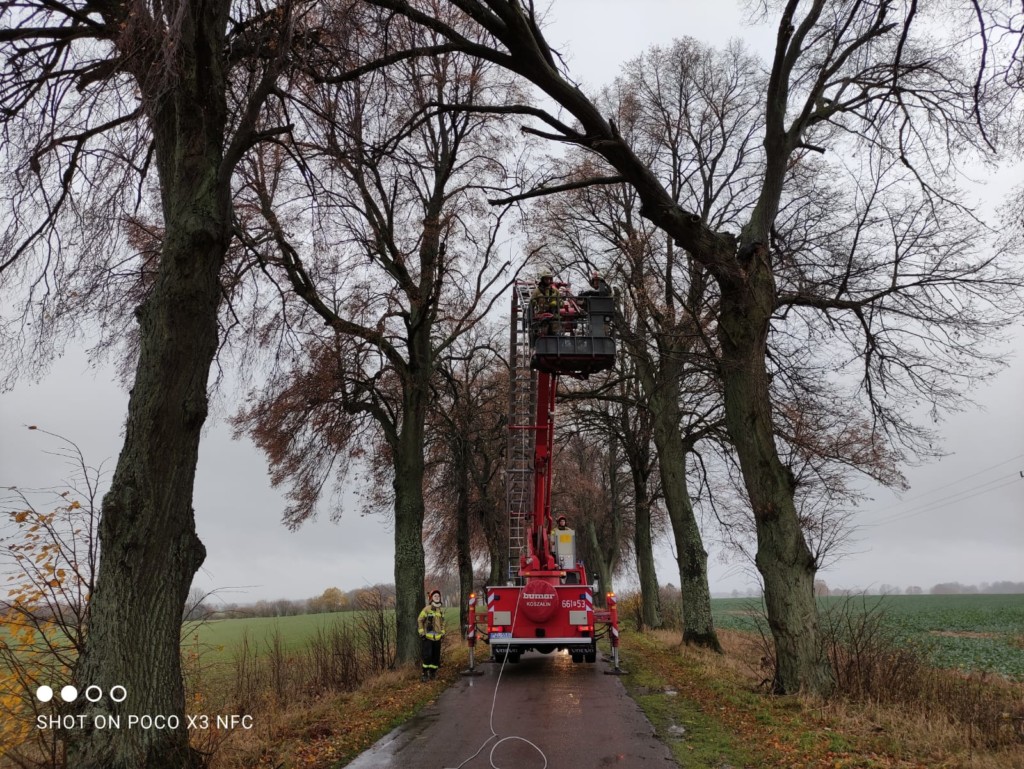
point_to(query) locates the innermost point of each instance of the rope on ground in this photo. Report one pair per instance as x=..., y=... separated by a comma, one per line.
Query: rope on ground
x=494, y=701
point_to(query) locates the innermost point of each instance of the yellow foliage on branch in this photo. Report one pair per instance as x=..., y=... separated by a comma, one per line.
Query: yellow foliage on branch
x=47, y=561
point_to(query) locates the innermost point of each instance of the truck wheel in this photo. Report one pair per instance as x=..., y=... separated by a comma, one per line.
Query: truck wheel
x=577, y=658
x=592, y=656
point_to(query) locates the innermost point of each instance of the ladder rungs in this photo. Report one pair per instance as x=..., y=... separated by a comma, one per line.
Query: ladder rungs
x=519, y=464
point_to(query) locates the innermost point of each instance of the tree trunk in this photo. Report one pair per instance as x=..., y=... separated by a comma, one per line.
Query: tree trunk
x=497, y=543
x=149, y=551
x=698, y=624
x=464, y=555
x=692, y=558
x=650, y=600
x=635, y=438
x=605, y=569
x=410, y=567
x=148, y=543
x=783, y=558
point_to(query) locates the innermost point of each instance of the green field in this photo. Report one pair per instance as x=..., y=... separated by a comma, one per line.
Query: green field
x=967, y=632
x=218, y=639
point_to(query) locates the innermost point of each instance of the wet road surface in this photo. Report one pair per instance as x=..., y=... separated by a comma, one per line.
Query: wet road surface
x=578, y=716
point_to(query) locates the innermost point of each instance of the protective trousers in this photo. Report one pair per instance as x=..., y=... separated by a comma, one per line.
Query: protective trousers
x=431, y=654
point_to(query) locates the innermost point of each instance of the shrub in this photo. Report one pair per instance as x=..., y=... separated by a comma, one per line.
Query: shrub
x=871, y=662
x=671, y=600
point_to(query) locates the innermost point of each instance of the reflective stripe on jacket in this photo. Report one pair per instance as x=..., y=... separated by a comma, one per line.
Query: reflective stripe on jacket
x=431, y=623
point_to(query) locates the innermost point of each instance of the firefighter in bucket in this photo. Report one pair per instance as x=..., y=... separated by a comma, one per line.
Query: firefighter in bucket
x=431, y=629
x=545, y=307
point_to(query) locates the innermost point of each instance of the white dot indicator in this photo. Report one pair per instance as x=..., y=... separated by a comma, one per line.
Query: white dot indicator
x=68, y=693
x=44, y=694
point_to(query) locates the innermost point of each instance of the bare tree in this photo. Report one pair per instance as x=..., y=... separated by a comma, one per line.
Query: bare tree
x=622, y=415
x=401, y=261
x=100, y=94
x=466, y=451
x=868, y=78
x=687, y=110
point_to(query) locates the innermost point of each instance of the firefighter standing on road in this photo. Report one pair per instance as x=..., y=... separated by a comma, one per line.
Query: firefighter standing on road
x=431, y=629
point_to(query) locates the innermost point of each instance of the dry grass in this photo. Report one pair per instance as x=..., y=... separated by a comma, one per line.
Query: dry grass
x=919, y=716
x=319, y=707
x=314, y=705
x=896, y=713
x=319, y=726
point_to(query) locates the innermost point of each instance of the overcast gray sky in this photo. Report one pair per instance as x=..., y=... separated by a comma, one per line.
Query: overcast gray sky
x=962, y=520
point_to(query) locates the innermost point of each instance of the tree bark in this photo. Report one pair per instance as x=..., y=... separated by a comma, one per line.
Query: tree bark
x=783, y=558
x=150, y=551
x=650, y=600
x=634, y=435
x=148, y=543
x=410, y=567
x=698, y=624
x=497, y=544
x=601, y=566
x=692, y=558
x=464, y=555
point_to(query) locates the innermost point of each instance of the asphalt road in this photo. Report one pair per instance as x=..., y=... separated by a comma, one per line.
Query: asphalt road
x=575, y=715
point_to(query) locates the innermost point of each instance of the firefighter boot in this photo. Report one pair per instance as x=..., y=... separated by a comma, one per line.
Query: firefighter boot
x=433, y=674
x=424, y=676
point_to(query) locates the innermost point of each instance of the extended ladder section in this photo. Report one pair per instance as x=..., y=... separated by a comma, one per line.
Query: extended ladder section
x=522, y=407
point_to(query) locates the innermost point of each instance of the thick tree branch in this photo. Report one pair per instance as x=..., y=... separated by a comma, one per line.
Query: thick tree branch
x=541, y=191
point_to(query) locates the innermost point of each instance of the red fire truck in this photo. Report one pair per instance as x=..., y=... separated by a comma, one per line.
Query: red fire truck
x=547, y=603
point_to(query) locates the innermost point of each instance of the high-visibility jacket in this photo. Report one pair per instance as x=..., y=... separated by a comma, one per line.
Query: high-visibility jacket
x=545, y=301
x=431, y=623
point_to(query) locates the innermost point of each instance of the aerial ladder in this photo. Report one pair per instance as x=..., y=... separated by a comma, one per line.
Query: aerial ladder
x=547, y=603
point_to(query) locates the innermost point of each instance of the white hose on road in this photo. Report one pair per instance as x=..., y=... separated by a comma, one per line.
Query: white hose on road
x=494, y=734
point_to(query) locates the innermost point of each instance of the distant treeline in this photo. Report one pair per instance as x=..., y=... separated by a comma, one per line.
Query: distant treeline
x=207, y=606
x=331, y=600
x=943, y=588
x=954, y=588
